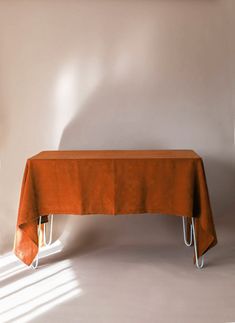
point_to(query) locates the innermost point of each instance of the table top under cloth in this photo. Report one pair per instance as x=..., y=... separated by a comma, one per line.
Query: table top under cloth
x=113, y=182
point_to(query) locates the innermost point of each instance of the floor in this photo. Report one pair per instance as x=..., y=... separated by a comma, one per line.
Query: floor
x=129, y=281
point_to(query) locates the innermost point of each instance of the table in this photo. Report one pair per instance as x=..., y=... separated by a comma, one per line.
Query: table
x=113, y=182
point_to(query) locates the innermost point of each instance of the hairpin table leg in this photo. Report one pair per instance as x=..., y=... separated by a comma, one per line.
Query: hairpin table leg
x=188, y=244
x=192, y=241
x=199, y=265
x=34, y=264
x=50, y=236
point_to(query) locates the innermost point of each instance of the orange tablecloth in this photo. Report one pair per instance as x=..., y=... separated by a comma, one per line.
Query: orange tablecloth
x=112, y=182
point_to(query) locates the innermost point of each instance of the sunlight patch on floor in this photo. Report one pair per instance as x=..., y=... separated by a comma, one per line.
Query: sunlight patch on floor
x=6, y=260
x=26, y=293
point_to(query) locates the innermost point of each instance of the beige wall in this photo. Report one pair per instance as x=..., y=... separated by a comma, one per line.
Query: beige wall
x=116, y=74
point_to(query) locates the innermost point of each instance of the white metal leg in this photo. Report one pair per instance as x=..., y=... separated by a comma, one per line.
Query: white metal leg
x=199, y=265
x=192, y=241
x=188, y=244
x=34, y=264
x=50, y=235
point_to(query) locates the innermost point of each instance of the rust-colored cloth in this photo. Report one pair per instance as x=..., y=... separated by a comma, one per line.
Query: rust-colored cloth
x=112, y=182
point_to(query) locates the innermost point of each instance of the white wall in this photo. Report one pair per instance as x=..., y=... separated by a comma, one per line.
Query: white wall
x=116, y=74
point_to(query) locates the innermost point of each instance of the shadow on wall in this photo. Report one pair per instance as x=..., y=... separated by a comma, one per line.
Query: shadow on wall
x=117, y=116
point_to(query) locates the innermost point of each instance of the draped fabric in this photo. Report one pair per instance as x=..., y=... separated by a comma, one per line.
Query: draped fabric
x=112, y=182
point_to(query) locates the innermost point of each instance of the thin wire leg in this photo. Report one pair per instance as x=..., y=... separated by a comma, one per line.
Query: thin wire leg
x=188, y=244
x=50, y=236
x=199, y=265
x=34, y=264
